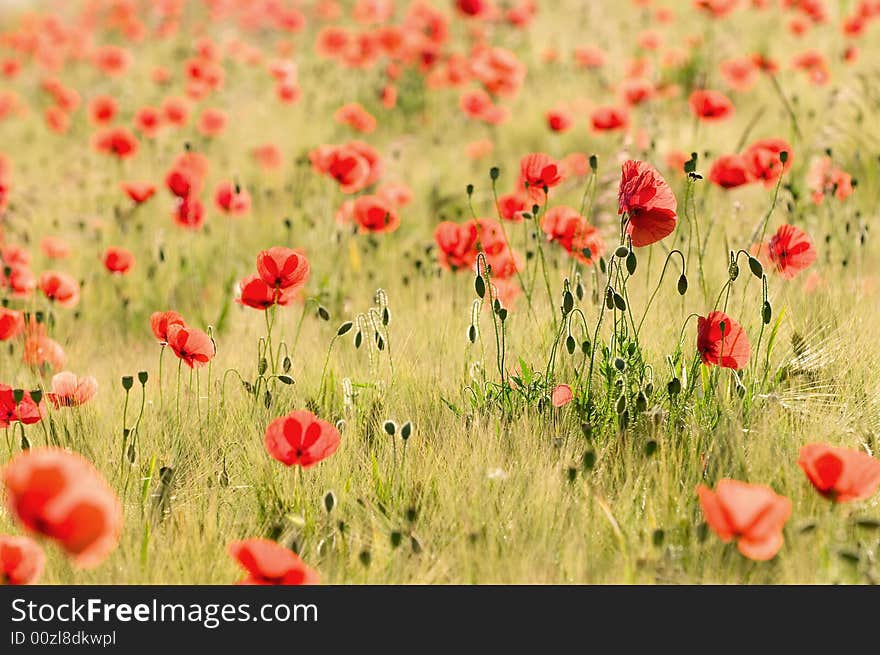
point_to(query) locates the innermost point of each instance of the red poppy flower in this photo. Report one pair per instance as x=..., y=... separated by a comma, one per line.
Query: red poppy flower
x=255, y=293
x=161, y=322
x=118, y=260
x=68, y=390
x=750, y=513
x=268, y=156
x=61, y=495
x=175, y=111
x=729, y=171
x=538, y=171
x=54, y=247
x=187, y=174
x=740, y=73
x=356, y=117
x=11, y=323
x=710, y=105
x=764, y=162
x=148, y=121
x=189, y=212
x=212, y=122
x=373, y=213
x=790, y=251
x=841, y=474
x=283, y=268
x=717, y=8
x=103, y=109
x=722, y=341
x=20, y=281
x=606, y=119
x=345, y=165
x=40, y=351
x=511, y=206
x=456, y=244
x=648, y=202
x=395, y=193
x=116, y=141
x=824, y=178
x=636, y=91
x=112, y=60
x=191, y=345
x=139, y=192
x=21, y=560
x=59, y=288
x=561, y=395
x=572, y=231
x=269, y=563
x=559, y=120
x=26, y=411
x=232, y=199
x=301, y=438
x=57, y=119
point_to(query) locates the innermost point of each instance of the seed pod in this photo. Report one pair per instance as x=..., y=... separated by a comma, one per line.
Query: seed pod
x=406, y=431
x=682, y=284
x=358, y=339
x=766, y=312
x=286, y=379
x=329, y=501
x=36, y=395
x=127, y=382
x=323, y=313
x=390, y=428
x=631, y=262
x=472, y=333
x=480, y=286
x=585, y=347
x=619, y=302
x=286, y=364
x=567, y=303
x=594, y=163
x=470, y=189
x=570, y=344
x=609, y=299
x=344, y=328
x=756, y=267
x=621, y=252
x=502, y=314
x=619, y=364
x=494, y=172
x=783, y=156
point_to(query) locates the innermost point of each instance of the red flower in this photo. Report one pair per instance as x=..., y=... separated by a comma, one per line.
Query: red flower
x=189, y=212
x=538, y=172
x=60, y=288
x=729, y=171
x=710, y=105
x=456, y=244
x=11, y=323
x=26, y=411
x=103, y=109
x=232, y=199
x=764, y=162
x=790, y=251
x=356, y=117
x=118, y=260
x=561, y=395
x=374, y=214
x=61, y=495
x=187, y=174
x=148, y=121
x=268, y=563
x=511, y=206
x=255, y=293
x=283, y=268
x=750, y=513
x=722, y=341
x=212, y=122
x=21, y=560
x=572, y=231
x=112, y=60
x=558, y=120
x=139, y=192
x=841, y=474
x=648, y=202
x=161, y=322
x=40, y=350
x=116, y=141
x=301, y=438
x=606, y=119
x=193, y=346
x=68, y=390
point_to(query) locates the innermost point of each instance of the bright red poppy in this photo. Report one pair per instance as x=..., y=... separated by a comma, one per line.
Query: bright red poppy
x=562, y=395
x=60, y=288
x=710, y=105
x=789, y=251
x=573, y=232
x=55, y=247
x=729, y=172
x=722, y=341
x=139, y=192
x=61, y=495
x=161, y=322
x=608, y=119
x=753, y=514
x=189, y=212
x=116, y=141
x=21, y=560
x=373, y=213
x=118, y=260
x=356, y=117
x=103, y=109
x=283, y=268
x=191, y=345
x=559, y=120
x=538, y=172
x=648, y=202
x=25, y=411
x=212, y=122
x=11, y=323
x=301, y=438
x=764, y=160
x=232, y=199
x=456, y=244
x=69, y=390
x=841, y=474
x=269, y=563
x=148, y=121
x=40, y=351
x=255, y=293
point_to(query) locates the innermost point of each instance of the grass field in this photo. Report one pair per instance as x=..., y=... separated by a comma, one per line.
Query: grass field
x=494, y=484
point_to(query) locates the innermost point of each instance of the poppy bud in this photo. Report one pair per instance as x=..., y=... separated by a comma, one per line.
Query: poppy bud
x=641, y=401
x=650, y=449
x=329, y=501
x=756, y=267
x=390, y=428
x=386, y=316
x=286, y=379
x=766, y=312
x=358, y=338
x=502, y=314
x=603, y=266
x=589, y=460
x=143, y=376
x=365, y=558
x=267, y=399
x=682, y=284
x=567, y=303
x=622, y=251
x=621, y=404
x=585, y=347
x=344, y=328
x=406, y=431
x=619, y=302
x=396, y=537
x=609, y=299
x=496, y=306
x=127, y=382
x=594, y=163
x=36, y=395
x=25, y=444
x=262, y=366
x=572, y=473
x=570, y=344
x=323, y=313
x=619, y=364
x=673, y=387
x=783, y=156
x=470, y=189
x=494, y=172
x=733, y=270
x=631, y=262
x=480, y=286
x=579, y=291
x=691, y=164
x=472, y=333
